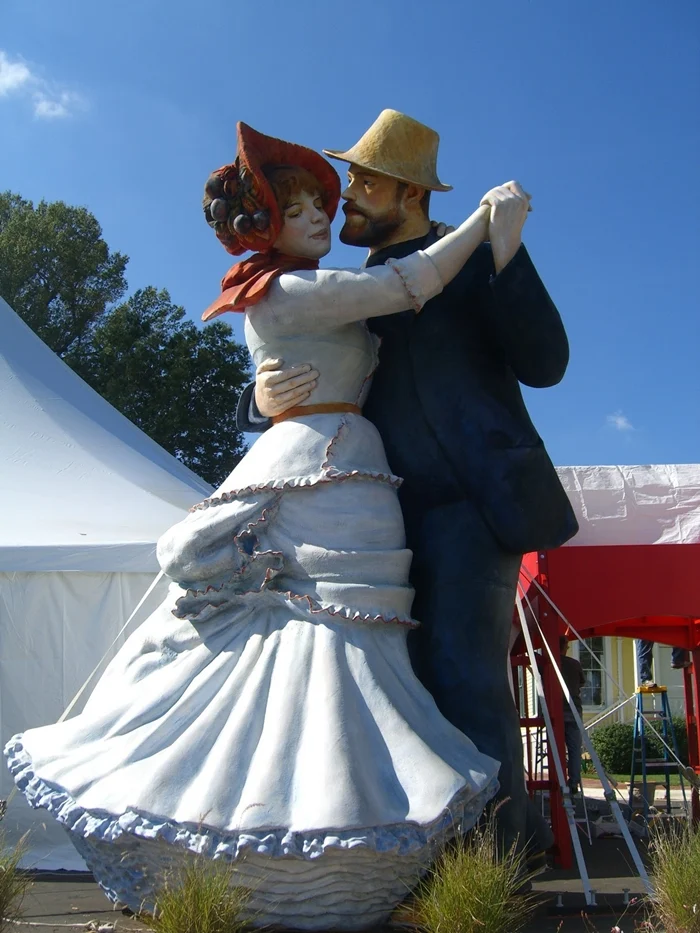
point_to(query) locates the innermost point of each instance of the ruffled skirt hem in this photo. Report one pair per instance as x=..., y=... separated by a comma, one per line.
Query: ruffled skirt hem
x=131, y=853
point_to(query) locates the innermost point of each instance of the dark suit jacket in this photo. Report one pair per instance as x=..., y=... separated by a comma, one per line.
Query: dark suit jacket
x=447, y=402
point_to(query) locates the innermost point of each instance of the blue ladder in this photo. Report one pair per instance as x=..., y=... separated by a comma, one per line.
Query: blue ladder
x=639, y=744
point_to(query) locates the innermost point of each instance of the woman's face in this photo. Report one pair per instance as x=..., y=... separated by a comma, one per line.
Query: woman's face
x=307, y=229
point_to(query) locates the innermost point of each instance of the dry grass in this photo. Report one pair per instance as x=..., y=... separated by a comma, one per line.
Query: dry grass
x=202, y=898
x=472, y=889
x=675, y=876
x=13, y=882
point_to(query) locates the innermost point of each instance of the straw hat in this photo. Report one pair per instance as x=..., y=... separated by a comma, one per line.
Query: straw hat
x=400, y=147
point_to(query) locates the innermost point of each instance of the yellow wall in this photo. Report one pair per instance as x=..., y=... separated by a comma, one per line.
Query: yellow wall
x=624, y=664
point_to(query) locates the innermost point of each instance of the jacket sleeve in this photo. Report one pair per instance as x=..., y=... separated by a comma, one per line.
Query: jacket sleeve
x=248, y=418
x=523, y=320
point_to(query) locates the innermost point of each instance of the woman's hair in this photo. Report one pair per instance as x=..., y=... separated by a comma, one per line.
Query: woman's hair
x=289, y=180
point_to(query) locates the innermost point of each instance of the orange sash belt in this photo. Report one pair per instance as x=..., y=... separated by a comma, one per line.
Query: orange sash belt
x=325, y=408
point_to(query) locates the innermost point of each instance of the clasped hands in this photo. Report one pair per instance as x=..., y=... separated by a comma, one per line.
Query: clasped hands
x=277, y=389
x=509, y=205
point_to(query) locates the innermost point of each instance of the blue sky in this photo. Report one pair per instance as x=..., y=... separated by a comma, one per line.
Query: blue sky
x=126, y=108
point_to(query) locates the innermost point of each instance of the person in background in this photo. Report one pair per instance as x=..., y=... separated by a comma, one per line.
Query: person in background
x=573, y=675
x=645, y=661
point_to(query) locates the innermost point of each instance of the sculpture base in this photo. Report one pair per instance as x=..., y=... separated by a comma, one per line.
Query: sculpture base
x=347, y=889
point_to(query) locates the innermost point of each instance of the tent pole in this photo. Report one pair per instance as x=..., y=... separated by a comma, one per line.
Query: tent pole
x=691, y=685
x=563, y=798
x=607, y=788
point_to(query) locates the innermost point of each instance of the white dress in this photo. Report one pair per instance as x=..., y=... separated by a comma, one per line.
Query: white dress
x=267, y=712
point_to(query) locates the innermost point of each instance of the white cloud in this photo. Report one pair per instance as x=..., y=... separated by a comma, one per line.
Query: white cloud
x=619, y=421
x=13, y=75
x=49, y=102
x=59, y=105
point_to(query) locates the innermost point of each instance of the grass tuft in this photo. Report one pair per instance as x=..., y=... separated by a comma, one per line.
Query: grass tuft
x=675, y=876
x=201, y=898
x=472, y=887
x=13, y=882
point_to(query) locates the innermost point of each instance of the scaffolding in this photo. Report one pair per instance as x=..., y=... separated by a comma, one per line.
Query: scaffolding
x=548, y=608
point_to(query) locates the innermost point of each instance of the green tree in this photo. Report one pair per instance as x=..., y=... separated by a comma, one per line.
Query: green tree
x=178, y=383
x=56, y=271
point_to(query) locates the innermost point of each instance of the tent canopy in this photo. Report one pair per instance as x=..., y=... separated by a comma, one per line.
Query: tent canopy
x=656, y=504
x=84, y=495
x=82, y=487
x=632, y=568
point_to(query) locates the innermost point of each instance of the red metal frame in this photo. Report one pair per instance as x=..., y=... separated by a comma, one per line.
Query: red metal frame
x=554, y=697
x=632, y=591
x=691, y=683
x=563, y=851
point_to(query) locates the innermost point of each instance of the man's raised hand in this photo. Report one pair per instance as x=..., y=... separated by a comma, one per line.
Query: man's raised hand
x=278, y=389
x=509, y=204
x=511, y=193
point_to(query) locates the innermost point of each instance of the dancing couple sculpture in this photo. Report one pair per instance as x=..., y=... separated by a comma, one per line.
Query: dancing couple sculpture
x=268, y=712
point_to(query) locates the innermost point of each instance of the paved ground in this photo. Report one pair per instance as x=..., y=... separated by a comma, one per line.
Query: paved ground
x=60, y=899
x=56, y=904
x=77, y=900
x=679, y=795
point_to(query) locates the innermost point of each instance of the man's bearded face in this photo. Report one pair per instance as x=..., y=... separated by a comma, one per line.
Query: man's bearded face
x=373, y=208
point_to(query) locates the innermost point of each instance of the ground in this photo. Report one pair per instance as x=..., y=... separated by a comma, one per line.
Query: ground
x=62, y=898
x=68, y=898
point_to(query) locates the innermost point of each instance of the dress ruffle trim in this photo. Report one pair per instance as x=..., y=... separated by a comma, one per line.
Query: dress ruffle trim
x=403, y=839
x=201, y=605
x=329, y=475
x=254, y=582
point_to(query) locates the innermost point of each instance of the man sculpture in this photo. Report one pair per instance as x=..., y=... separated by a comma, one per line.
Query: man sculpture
x=479, y=489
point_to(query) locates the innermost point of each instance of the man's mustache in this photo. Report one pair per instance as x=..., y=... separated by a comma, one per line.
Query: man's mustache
x=348, y=208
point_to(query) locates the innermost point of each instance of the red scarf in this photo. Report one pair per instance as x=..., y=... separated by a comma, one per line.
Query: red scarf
x=247, y=282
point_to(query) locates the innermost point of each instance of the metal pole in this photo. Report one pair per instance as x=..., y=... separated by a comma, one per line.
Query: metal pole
x=554, y=756
x=607, y=788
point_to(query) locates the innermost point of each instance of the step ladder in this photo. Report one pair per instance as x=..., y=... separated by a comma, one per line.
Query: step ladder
x=663, y=723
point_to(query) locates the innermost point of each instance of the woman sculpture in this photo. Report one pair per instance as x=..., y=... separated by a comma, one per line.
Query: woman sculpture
x=267, y=713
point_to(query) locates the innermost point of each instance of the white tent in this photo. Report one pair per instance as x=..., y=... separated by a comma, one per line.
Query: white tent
x=651, y=504
x=84, y=496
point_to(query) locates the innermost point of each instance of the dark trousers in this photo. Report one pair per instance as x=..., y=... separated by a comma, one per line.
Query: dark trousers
x=645, y=659
x=572, y=737
x=465, y=595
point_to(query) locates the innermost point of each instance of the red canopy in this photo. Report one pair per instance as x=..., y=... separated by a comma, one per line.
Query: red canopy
x=634, y=567
x=633, y=570
x=638, y=591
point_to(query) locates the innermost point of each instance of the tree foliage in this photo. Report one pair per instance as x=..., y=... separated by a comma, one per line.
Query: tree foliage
x=613, y=742
x=56, y=270
x=178, y=383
